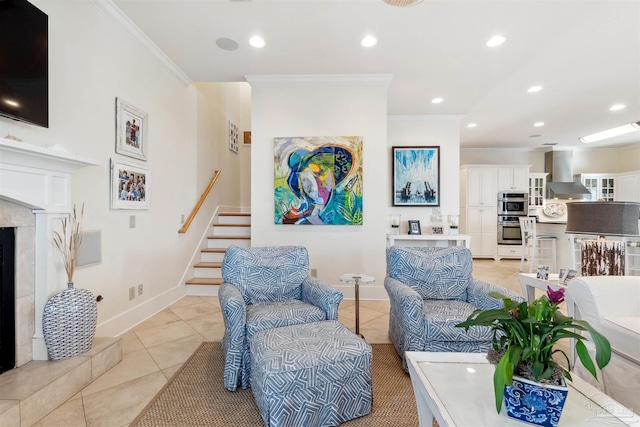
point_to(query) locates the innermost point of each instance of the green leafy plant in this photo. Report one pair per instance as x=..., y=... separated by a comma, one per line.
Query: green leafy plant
x=524, y=336
x=68, y=241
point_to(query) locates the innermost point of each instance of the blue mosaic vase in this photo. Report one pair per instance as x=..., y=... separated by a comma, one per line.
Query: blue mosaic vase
x=535, y=403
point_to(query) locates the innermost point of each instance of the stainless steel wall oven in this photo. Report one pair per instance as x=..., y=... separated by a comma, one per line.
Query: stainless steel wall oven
x=513, y=203
x=509, y=232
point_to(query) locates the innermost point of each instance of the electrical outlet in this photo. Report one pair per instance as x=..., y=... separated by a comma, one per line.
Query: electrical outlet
x=140, y=289
x=132, y=221
x=132, y=293
x=314, y=272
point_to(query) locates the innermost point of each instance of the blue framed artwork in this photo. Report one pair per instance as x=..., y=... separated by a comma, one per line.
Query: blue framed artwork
x=416, y=176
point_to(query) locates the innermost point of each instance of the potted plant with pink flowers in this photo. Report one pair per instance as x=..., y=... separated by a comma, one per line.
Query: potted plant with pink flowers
x=527, y=377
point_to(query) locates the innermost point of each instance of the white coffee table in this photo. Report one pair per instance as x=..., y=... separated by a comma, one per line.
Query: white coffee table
x=529, y=283
x=457, y=390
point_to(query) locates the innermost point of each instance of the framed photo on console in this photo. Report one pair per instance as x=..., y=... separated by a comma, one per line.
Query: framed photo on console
x=414, y=227
x=130, y=185
x=131, y=130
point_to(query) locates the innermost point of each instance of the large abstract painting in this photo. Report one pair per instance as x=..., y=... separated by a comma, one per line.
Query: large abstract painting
x=318, y=180
x=416, y=176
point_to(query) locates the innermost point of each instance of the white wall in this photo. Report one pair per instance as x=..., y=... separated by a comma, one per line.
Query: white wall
x=324, y=106
x=585, y=160
x=219, y=103
x=607, y=160
x=441, y=131
x=496, y=156
x=92, y=60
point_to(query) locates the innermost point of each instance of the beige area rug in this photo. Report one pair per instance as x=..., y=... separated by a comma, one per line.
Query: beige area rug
x=195, y=395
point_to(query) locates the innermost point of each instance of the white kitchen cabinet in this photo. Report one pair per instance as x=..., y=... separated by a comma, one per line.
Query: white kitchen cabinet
x=479, y=186
x=509, y=251
x=482, y=226
x=513, y=178
x=628, y=187
x=537, y=187
x=601, y=186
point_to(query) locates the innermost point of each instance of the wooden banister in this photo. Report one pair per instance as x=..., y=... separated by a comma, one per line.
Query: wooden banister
x=195, y=210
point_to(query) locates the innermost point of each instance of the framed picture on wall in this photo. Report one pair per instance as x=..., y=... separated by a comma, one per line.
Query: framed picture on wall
x=416, y=176
x=233, y=137
x=131, y=130
x=130, y=185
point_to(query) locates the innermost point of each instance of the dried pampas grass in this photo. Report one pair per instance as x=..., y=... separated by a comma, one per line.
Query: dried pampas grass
x=69, y=240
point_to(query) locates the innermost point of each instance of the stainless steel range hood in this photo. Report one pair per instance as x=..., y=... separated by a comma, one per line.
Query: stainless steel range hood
x=560, y=184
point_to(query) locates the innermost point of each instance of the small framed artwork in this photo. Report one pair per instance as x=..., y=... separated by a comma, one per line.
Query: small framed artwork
x=130, y=185
x=233, y=137
x=414, y=227
x=131, y=130
x=571, y=274
x=247, y=137
x=416, y=176
x=437, y=229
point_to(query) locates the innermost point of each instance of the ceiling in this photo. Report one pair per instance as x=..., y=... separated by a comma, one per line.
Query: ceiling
x=585, y=55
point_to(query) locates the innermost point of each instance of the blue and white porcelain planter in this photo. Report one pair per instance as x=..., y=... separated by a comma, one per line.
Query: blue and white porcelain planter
x=535, y=403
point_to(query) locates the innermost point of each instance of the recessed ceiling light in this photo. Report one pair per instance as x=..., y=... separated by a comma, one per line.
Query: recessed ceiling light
x=369, y=41
x=226, y=44
x=472, y=125
x=257, y=42
x=534, y=89
x=617, y=107
x=437, y=100
x=402, y=3
x=538, y=124
x=496, y=41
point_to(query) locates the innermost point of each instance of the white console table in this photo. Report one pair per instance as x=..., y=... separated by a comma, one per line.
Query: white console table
x=457, y=239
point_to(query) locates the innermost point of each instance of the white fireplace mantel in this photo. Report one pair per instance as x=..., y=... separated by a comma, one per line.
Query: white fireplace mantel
x=39, y=178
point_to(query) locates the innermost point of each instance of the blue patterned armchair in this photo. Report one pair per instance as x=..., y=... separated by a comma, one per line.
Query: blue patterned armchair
x=264, y=288
x=431, y=290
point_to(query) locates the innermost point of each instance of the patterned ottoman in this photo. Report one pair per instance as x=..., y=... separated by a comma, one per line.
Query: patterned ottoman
x=310, y=375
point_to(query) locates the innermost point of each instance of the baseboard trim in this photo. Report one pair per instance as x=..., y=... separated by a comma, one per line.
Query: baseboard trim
x=372, y=293
x=123, y=322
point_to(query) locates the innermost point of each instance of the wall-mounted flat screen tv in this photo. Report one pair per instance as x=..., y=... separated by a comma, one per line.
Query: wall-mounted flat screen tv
x=24, y=62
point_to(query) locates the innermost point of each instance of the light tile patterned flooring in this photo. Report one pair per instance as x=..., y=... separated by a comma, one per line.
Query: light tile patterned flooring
x=154, y=350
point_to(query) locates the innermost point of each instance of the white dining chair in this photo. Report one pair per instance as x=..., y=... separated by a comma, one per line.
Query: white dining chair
x=536, y=248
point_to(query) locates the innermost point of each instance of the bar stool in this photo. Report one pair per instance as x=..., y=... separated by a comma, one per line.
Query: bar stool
x=532, y=245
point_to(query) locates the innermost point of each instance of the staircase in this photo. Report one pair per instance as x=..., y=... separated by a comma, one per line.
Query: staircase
x=230, y=228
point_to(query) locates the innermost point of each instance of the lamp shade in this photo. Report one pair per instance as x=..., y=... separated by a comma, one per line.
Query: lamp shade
x=603, y=218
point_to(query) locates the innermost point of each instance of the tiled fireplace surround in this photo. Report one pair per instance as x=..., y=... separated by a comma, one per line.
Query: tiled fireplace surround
x=13, y=215
x=35, y=194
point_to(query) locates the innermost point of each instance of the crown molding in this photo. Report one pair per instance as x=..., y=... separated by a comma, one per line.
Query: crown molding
x=114, y=12
x=366, y=79
x=426, y=118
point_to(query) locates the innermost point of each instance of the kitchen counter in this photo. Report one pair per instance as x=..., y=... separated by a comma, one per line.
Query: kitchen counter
x=563, y=242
